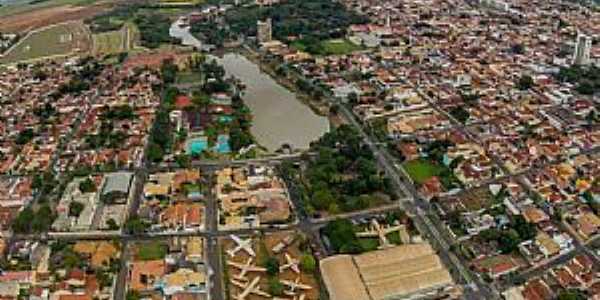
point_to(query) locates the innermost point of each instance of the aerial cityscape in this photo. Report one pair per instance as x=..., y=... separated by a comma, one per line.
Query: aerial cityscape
x=299, y=149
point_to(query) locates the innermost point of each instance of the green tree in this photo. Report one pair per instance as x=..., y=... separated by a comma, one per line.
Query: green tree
x=71, y=259
x=169, y=96
x=154, y=29
x=323, y=199
x=135, y=225
x=133, y=295
x=201, y=100
x=75, y=208
x=22, y=223
x=303, y=85
x=43, y=218
x=121, y=57
x=308, y=263
x=239, y=139
x=525, y=229
x=183, y=160
x=87, y=186
x=104, y=278
x=586, y=88
x=112, y=224
x=571, y=295
x=343, y=239
x=25, y=136
x=276, y=288
x=509, y=241
x=460, y=114
x=272, y=266
x=491, y=234
x=168, y=71
x=155, y=152
x=525, y=82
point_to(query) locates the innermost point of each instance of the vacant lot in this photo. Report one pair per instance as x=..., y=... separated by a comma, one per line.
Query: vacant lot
x=420, y=170
x=327, y=47
x=338, y=47
x=109, y=42
x=151, y=251
x=25, y=17
x=188, y=77
x=56, y=40
x=116, y=41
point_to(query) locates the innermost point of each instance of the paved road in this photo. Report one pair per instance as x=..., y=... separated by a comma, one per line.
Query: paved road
x=213, y=252
x=413, y=206
x=299, y=156
x=121, y=282
x=403, y=184
x=579, y=248
x=123, y=236
x=405, y=188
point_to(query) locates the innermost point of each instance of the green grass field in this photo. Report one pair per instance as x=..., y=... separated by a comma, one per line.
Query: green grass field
x=56, y=40
x=109, y=42
x=339, y=47
x=117, y=41
x=329, y=47
x=151, y=251
x=298, y=45
x=420, y=170
x=188, y=77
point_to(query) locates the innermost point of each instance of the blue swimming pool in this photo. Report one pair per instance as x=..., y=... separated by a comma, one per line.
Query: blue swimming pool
x=225, y=119
x=197, y=145
x=222, y=145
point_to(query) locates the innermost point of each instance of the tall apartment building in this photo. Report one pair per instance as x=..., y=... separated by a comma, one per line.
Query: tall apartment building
x=264, y=31
x=583, y=47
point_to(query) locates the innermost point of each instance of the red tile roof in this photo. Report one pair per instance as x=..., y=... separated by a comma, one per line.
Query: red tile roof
x=537, y=290
x=182, y=101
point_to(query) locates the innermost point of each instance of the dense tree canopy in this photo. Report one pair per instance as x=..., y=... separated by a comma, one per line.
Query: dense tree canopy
x=342, y=237
x=30, y=221
x=317, y=19
x=344, y=174
x=587, y=79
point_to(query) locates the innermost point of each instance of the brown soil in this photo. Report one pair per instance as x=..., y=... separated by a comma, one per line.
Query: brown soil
x=31, y=20
x=270, y=240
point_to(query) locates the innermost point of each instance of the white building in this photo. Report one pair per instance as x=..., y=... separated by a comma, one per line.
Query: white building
x=82, y=222
x=496, y=4
x=583, y=48
x=264, y=31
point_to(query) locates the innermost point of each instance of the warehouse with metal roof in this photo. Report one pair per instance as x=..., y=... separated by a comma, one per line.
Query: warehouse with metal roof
x=398, y=272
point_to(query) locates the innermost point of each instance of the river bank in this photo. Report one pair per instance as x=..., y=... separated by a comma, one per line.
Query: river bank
x=280, y=117
x=320, y=108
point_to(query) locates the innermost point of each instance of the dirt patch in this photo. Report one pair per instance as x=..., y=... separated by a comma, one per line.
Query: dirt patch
x=269, y=241
x=31, y=20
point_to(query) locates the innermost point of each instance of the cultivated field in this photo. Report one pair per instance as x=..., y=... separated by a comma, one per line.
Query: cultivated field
x=25, y=17
x=55, y=40
x=117, y=41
